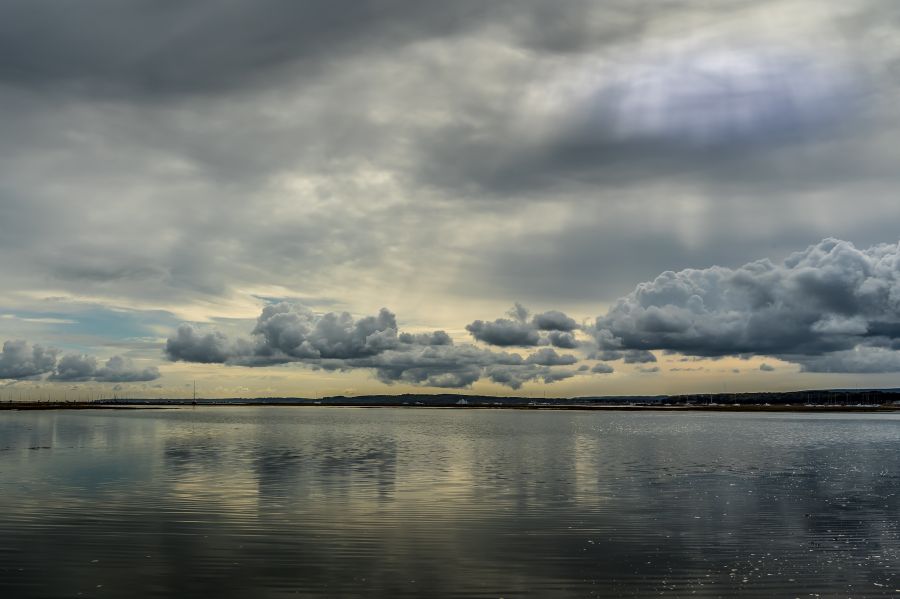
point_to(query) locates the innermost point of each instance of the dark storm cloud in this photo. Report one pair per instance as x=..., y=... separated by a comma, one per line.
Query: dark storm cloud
x=118, y=369
x=504, y=332
x=458, y=366
x=79, y=367
x=516, y=377
x=20, y=360
x=831, y=308
x=552, y=327
x=75, y=367
x=192, y=346
x=548, y=357
x=562, y=339
x=629, y=356
x=638, y=357
x=435, y=338
x=601, y=368
x=862, y=358
x=554, y=320
x=439, y=366
x=290, y=330
x=287, y=332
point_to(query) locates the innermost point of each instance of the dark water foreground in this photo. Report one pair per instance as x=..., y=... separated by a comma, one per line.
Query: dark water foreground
x=272, y=502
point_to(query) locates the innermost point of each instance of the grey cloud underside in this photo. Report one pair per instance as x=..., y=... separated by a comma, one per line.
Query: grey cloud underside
x=830, y=308
x=548, y=328
x=548, y=357
x=630, y=356
x=554, y=320
x=862, y=359
x=20, y=360
x=601, y=368
x=289, y=333
x=505, y=333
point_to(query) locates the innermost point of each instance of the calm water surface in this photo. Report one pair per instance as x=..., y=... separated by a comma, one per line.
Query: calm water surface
x=272, y=502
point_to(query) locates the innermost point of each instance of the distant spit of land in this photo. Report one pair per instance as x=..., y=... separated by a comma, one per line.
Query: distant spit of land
x=856, y=400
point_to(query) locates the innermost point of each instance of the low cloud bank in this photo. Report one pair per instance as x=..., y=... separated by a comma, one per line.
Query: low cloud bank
x=21, y=360
x=830, y=308
x=286, y=333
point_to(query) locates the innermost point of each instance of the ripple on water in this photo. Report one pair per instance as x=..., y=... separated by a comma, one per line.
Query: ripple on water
x=471, y=503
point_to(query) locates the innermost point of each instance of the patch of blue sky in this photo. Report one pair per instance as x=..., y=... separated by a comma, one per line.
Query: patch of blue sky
x=85, y=329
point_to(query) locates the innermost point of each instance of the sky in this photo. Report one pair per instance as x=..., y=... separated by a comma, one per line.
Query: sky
x=281, y=198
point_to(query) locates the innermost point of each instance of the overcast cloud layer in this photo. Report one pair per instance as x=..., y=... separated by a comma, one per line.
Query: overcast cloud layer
x=204, y=161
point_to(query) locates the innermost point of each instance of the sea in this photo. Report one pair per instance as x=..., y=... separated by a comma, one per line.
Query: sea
x=420, y=502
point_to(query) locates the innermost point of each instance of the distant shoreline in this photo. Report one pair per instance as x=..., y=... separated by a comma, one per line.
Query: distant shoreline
x=827, y=400
x=169, y=405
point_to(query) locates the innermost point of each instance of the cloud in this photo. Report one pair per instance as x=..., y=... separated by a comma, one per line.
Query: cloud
x=118, y=369
x=293, y=331
x=73, y=50
x=504, y=332
x=831, y=308
x=20, y=360
x=554, y=320
x=39, y=320
x=601, y=368
x=548, y=357
x=638, y=356
x=454, y=366
x=435, y=338
x=552, y=327
x=79, y=367
x=190, y=345
x=562, y=339
x=516, y=377
x=629, y=356
x=766, y=367
x=75, y=367
x=862, y=359
x=290, y=333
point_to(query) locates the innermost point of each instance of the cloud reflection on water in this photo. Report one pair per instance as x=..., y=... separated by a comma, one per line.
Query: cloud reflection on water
x=236, y=501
